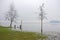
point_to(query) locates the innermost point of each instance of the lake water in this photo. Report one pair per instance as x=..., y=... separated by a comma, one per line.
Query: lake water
x=35, y=27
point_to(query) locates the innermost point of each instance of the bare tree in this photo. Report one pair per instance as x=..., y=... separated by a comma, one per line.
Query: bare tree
x=42, y=16
x=21, y=26
x=11, y=15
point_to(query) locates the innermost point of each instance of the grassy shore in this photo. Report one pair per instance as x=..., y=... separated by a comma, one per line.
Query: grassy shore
x=6, y=34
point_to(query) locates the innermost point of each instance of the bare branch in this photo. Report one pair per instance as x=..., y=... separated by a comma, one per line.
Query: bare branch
x=11, y=15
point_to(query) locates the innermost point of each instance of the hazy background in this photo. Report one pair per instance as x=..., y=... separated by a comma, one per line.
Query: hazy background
x=28, y=11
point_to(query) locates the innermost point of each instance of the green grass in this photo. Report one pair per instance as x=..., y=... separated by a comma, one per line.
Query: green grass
x=4, y=29
x=6, y=34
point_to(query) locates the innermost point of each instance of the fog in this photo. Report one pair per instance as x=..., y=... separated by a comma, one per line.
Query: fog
x=28, y=11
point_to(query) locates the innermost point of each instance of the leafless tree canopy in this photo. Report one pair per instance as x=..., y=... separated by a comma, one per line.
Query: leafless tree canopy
x=42, y=16
x=11, y=15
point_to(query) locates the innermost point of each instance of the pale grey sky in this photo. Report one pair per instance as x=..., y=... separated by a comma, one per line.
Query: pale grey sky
x=28, y=9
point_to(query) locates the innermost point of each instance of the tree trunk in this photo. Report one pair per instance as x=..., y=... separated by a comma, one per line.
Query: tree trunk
x=41, y=27
x=11, y=24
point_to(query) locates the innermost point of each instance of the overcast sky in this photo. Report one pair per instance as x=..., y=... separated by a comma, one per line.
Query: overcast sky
x=29, y=9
